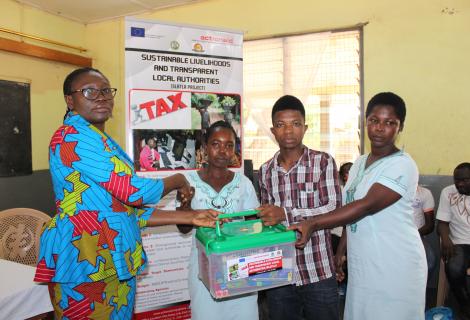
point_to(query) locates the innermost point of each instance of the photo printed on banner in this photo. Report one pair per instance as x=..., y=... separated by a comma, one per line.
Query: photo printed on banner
x=207, y=108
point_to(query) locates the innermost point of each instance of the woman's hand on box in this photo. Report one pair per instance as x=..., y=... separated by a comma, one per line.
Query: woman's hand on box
x=204, y=218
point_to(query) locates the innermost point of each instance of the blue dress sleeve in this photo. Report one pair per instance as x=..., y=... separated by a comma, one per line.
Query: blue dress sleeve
x=86, y=156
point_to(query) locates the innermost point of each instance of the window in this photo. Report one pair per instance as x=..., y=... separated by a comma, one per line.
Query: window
x=323, y=70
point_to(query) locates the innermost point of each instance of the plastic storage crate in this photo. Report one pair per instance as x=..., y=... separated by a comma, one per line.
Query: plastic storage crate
x=244, y=256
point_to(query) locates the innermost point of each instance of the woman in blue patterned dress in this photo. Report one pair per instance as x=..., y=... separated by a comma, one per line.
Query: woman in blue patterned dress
x=218, y=188
x=386, y=261
x=91, y=250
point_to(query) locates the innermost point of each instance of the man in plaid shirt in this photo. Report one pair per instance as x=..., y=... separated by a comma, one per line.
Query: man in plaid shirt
x=298, y=183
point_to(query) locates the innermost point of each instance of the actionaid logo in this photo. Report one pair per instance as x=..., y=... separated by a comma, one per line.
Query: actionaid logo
x=219, y=39
x=160, y=106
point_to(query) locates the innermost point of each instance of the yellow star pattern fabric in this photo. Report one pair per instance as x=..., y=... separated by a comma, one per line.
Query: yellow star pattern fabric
x=112, y=286
x=52, y=223
x=102, y=311
x=120, y=166
x=102, y=273
x=123, y=291
x=107, y=257
x=69, y=203
x=127, y=257
x=137, y=255
x=86, y=246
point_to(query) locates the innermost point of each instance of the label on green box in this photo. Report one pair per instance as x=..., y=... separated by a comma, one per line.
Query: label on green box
x=246, y=266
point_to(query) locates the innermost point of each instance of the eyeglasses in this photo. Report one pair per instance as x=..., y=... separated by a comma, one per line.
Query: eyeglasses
x=93, y=94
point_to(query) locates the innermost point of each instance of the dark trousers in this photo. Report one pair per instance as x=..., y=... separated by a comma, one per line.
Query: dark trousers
x=456, y=271
x=430, y=258
x=315, y=301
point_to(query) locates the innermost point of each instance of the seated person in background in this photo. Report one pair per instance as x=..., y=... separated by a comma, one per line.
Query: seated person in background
x=423, y=214
x=149, y=156
x=453, y=227
x=344, y=173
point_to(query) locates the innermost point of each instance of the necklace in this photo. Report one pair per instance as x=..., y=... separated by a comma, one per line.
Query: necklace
x=219, y=206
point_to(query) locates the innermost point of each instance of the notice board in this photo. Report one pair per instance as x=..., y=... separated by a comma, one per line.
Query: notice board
x=15, y=130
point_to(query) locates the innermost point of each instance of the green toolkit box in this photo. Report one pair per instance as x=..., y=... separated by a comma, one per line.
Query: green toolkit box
x=244, y=256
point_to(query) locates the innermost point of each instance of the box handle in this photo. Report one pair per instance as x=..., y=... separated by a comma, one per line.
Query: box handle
x=233, y=215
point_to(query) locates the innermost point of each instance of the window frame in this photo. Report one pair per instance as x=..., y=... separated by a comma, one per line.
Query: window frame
x=360, y=29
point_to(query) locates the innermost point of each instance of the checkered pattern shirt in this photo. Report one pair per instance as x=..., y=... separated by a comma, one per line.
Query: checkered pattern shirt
x=309, y=188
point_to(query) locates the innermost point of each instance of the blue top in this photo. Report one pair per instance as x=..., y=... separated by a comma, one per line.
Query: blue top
x=99, y=198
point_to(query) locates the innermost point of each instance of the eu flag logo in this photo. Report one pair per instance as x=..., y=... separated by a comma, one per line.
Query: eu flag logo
x=137, y=32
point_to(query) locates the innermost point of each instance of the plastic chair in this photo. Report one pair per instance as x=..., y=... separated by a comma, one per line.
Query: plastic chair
x=20, y=231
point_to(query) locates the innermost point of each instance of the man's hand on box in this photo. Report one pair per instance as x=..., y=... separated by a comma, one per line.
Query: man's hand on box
x=271, y=215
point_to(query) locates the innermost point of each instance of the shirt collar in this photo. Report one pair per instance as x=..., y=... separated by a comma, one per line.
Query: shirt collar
x=304, y=160
x=73, y=118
